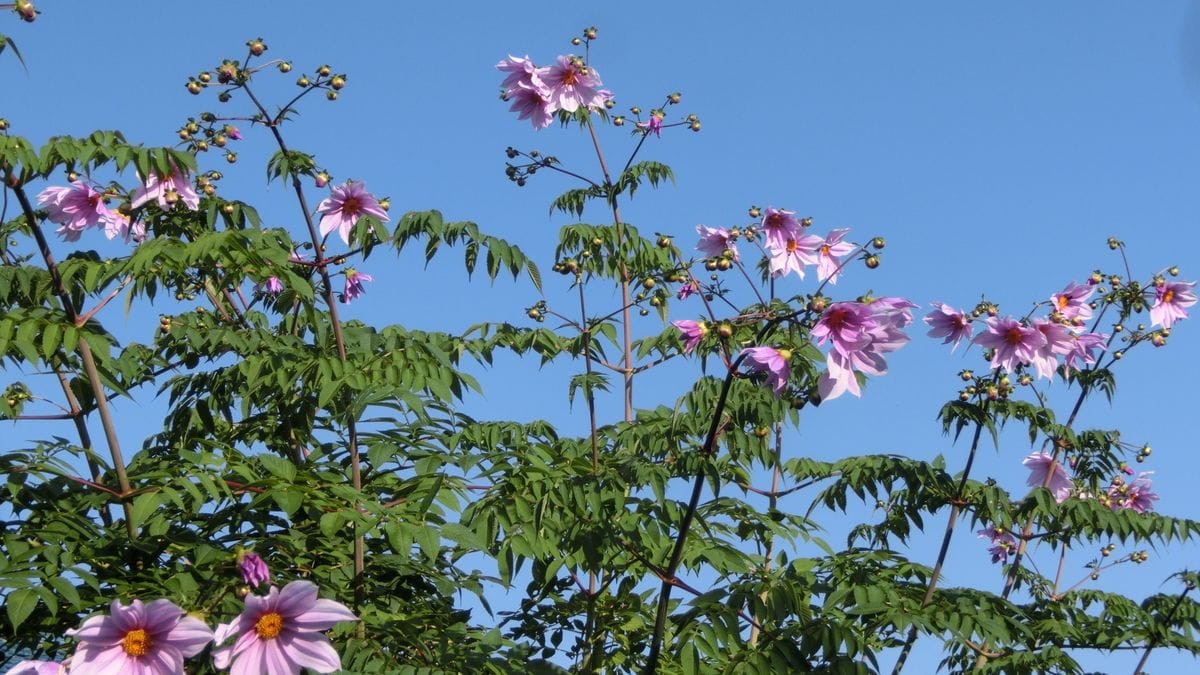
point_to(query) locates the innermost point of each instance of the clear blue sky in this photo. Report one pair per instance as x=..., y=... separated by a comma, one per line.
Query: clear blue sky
x=994, y=146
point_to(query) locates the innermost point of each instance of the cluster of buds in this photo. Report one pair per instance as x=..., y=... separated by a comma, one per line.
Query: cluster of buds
x=1107, y=550
x=206, y=182
x=723, y=262
x=322, y=78
x=1143, y=453
x=985, y=307
x=16, y=394
x=519, y=173
x=200, y=135
x=1139, y=557
x=588, y=34
x=164, y=324
x=537, y=312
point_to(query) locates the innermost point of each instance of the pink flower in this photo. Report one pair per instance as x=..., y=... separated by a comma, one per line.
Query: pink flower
x=233, y=133
x=1170, y=302
x=574, y=85
x=151, y=639
x=1012, y=342
x=829, y=255
x=520, y=70
x=281, y=633
x=1045, y=472
x=1059, y=340
x=847, y=325
x=37, y=668
x=1072, y=302
x=344, y=206
x=75, y=208
x=949, y=323
x=860, y=334
x=795, y=252
x=167, y=192
x=1136, y=495
x=1082, y=346
x=780, y=226
x=686, y=290
x=272, y=286
x=693, y=332
x=714, y=241
x=354, y=284
x=652, y=125
x=1003, y=543
x=253, y=568
x=774, y=362
x=532, y=103
x=121, y=226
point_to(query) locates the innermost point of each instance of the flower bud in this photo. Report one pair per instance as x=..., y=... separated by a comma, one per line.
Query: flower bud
x=25, y=10
x=220, y=140
x=724, y=264
x=3, y=124
x=1114, y=243
x=576, y=41
x=72, y=176
x=338, y=81
x=257, y=47
x=285, y=66
x=231, y=157
x=619, y=121
x=590, y=32
x=694, y=126
x=223, y=97
x=227, y=208
x=872, y=261
x=322, y=179
x=725, y=330
x=324, y=71
x=609, y=104
x=635, y=110
x=331, y=95
x=201, y=146
x=303, y=81
x=664, y=242
x=878, y=243
x=674, y=98
x=194, y=87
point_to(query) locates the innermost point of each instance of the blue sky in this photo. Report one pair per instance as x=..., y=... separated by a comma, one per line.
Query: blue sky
x=996, y=147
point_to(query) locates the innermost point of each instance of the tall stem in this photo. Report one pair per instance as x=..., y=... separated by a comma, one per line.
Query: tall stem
x=88, y=358
x=1154, y=640
x=338, y=338
x=773, y=503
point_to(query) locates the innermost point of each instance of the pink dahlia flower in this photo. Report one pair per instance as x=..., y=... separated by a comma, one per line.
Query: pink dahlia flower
x=75, y=208
x=774, y=362
x=532, y=103
x=947, y=322
x=829, y=255
x=282, y=632
x=1171, y=301
x=37, y=668
x=780, y=226
x=345, y=205
x=693, y=332
x=1082, y=346
x=1012, y=342
x=253, y=568
x=574, y=85
x=860, y=334
x=794, y=254
x=686, y=290
x=354, y=284
x=1072, y=302
x=1135, y=495
x=1003, y=543
x=152, y=639
x=272, y=286
x=1059, y=341
x=714, y=241
x=167, y=191
x=1045, y=472
x=652, y=125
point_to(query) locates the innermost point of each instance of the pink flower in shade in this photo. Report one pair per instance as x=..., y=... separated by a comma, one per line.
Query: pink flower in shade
x=847, y=325
x=1012, y=342
x=794, y=254
x=686, y=290
x=1170, y=302
x=829, y=255
x=714, y=241
x=774, y=362
x=282, y=632
x=354, y=284
x=121, y=226
x=652, y=125
x=1072, y=302
x=574, y=85
x=1002, y=542
x=860, y=333
x=1082, y=346
x=272, y=286
x=150, y=639
x=253, y=568
x=780, y=226
x=233, y=133
x=1059, y=341
x=345, y=205
x=37, y=668
x=532, y=103
x=1135, y=495
x=693, y=332
x=76, y=208
x=167, y=191
x=1045, y=472
x=947, y=322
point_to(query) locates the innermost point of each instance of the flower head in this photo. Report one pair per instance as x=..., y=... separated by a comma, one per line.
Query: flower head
x=354, y=284
x=253, y=568
x=75, y=208
x=780, y=226
x=795, y=252
x=1045, y=472
x=1012, y=342
x=37, y=668
x=150, y=639
x=829, y=255
x=1002, y=542
x=774, y=362
x=574, y=85
x=693, y=332
x=947, y=322
x=1171, y=301
x=686, y=290
x=282, y=632
x=1082, y=346
x=714, y=241
x=652, y=125
x=1059, y=341
x=233, y=132
x=272, y=286
x=167, y=191
x=860, y=333
x=1072, y=302
x=345, y=205
x=1135, y=495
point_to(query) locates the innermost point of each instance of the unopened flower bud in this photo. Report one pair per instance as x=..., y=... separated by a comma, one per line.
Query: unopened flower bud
x=385, y=204
x=674, y=98
x=635, y=110
x=619, y=121
x=227, y=208
x=231, y=157
x=324, y=71
x=257, y=47
x=1114, y=243
x=664, y=242
x=194, y=87
x=331, y=95
x=609, y=104
x=72, y=176
x=201, y=146
x=338, y=81
x=725, y=330
x=1173, y=271
x=872, y=261
x=724, y=264
x=285, y=66
x=220, y=140
x=3, y=124
x=878, y=243
x=303, y=81
x=25, y=10
x=576, y=41
x=223, y=97
x=694, y=126
x=590, y=32
x=321, y=179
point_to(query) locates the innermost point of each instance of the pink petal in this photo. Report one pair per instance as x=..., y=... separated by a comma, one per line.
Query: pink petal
x=322, y=616
x=313, y=651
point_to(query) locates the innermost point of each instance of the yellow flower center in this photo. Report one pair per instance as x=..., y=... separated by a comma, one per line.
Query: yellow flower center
x=1063, y=301
x=1168, y=297
x=825, y=249
x=137, y=642
x=791, y=246
x=269, y=625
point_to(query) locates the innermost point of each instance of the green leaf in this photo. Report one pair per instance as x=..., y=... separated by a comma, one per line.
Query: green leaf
x=278, y=467
x=20, y=604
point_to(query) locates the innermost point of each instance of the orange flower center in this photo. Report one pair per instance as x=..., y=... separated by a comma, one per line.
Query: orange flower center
x=791, y=246
x=825, y=249
x=1013, y=336
x=269, y=625
x=1168, y=297
x=1063, y=301
x=351, y=206
x=569, y=78
x=137, y=642
x=774, y=220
